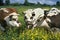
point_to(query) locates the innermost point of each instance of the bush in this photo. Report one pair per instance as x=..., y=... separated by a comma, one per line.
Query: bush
x=15, y=4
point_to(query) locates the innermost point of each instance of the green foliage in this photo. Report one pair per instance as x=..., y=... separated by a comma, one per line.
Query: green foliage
x=23, y=33
x=58, y=3
x=7, y=2
x=26, y=2
x=15, y=4
x=39, y=3
x=1, y=2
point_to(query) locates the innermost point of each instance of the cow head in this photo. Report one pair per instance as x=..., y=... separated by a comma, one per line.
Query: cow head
x=31, y=16
x=11, y=17
x=28, y=17
x=53, y=11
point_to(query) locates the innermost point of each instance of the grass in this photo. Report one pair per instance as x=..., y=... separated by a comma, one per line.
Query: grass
x=23, y=33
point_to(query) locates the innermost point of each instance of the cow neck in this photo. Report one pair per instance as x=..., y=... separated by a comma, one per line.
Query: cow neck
x=3, y=23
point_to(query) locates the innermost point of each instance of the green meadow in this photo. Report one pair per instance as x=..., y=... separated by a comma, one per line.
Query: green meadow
x=22, y=33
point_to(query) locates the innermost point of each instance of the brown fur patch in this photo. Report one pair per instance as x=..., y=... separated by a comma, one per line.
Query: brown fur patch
x=4, y=14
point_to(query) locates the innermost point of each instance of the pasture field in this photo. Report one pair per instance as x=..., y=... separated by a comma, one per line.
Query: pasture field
x=22, y=33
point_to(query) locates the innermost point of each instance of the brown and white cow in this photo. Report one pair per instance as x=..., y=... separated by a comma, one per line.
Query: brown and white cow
x=8, y=17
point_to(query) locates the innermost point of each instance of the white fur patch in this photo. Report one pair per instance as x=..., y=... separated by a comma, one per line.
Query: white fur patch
x=14, y=23
x=47, y=19
x=28, y=14
x=53, y=11
x=15, y=14
x=27, y=11
x=44, y=23
x=4, y=9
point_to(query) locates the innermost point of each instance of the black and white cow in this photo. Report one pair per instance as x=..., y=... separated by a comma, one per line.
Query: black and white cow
x=53, y=16
x=35, y=17
x=8, y=17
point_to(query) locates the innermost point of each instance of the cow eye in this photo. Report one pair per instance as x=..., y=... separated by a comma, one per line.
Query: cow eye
x=40, y=17
x=11, y=16
x=33, y=14
x=14, y=19
x=53, y=9
x=31, y=17
x=25, y=17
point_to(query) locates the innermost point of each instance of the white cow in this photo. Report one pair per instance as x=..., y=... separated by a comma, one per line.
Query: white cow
x=35, y=17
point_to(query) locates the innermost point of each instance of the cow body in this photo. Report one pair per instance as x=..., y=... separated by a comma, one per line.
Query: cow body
x=8, y=17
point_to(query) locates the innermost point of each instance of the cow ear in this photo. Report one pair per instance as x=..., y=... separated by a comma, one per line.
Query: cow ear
x=10, y=16
x=46, y=12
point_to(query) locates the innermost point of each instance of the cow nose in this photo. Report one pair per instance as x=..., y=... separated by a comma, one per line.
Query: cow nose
x=19, y=24
x=29, y=21
x=31, y=17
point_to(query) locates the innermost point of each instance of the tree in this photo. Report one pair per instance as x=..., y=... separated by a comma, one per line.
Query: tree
x=38, y=3
x=1, y=2
x=7, y=2
x=58, y=3
x=26, y=2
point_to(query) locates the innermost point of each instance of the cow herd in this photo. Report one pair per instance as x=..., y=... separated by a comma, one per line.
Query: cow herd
x=37, y=17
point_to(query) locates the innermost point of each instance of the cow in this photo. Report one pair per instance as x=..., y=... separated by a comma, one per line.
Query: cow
x=53, y=16
x=8, y=17
x=35, y=17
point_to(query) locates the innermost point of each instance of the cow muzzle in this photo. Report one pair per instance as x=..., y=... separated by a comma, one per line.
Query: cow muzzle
x=15, y=23
x=19, y=23
x=29, y=23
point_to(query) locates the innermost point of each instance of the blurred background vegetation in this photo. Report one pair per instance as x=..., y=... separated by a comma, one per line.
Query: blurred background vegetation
x=26, y=3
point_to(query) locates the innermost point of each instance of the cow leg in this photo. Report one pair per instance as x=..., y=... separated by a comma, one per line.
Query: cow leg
x=2, y=28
